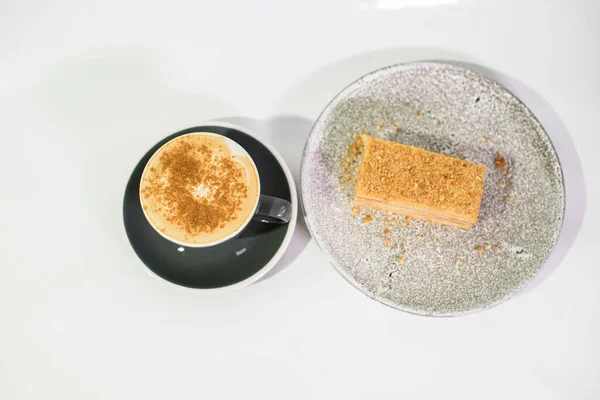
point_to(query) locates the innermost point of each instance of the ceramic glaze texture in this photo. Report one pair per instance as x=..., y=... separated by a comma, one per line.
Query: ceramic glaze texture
x=422, y=267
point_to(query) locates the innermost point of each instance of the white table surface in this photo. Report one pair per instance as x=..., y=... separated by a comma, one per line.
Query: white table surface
x=86, y=89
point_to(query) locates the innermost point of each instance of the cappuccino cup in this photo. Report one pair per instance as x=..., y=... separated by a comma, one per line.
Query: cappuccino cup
x=202, y=189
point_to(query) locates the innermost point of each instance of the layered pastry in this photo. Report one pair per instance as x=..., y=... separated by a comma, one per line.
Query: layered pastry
x=416, y=183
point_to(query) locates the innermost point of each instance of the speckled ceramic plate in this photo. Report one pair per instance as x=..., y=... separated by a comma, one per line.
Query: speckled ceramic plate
x=418, y=266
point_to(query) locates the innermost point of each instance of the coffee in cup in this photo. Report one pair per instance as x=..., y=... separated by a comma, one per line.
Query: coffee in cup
x=201, y=189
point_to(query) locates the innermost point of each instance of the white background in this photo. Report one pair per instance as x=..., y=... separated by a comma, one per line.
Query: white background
x=86, y=89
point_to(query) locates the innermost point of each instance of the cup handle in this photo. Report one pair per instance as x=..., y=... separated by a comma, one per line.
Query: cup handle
x=273, y=210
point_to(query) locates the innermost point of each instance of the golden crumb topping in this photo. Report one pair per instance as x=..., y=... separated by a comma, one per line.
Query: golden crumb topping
x=393, y=172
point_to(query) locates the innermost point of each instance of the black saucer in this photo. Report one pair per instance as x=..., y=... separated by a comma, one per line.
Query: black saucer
x=224, y=264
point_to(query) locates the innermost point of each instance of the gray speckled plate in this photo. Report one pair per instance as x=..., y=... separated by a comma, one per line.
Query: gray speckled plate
x=422, y=267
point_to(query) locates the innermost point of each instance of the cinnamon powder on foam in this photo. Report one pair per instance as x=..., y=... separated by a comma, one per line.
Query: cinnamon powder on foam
x=196, y=189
